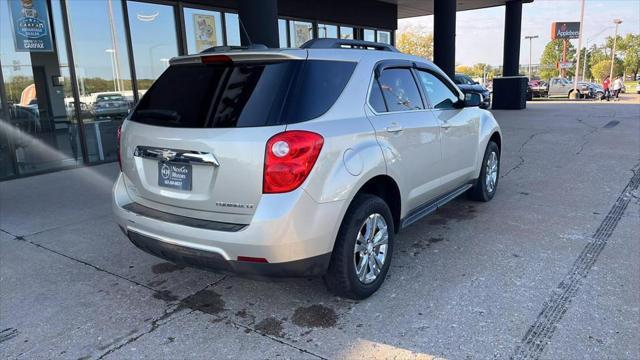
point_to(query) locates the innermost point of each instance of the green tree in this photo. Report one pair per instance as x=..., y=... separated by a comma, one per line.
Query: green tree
x=601, y=70
x=631, y=49
x=414, y=43
x=552, y=55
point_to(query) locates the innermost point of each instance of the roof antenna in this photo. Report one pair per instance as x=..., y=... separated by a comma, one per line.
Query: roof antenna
x=244, y=30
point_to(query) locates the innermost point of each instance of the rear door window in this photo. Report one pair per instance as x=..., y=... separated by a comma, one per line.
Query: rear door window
x=252, y=94
x=400, y=90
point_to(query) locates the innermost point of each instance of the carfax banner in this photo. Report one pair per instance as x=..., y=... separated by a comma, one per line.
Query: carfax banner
x=30, y=25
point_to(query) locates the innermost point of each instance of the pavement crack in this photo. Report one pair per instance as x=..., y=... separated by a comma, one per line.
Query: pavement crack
x=95, y=267
x=159, y=321
x=585, y=141
x=522, y=161
x=518, y=165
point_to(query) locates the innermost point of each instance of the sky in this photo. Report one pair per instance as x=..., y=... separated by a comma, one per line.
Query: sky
x=480, y=33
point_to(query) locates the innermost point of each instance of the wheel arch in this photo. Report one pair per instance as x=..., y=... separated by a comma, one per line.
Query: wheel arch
x=387, y=189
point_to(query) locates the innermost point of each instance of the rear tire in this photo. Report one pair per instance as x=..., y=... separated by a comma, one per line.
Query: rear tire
x=485, y=186
x=342, y=277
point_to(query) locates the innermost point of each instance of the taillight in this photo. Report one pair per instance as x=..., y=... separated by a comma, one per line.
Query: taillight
x=288, y=160
x=213, y=59
x=119, y=148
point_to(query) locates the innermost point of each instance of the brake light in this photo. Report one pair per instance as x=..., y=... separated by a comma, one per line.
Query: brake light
x=212, y=59
x=119, y=147
x=289, y=158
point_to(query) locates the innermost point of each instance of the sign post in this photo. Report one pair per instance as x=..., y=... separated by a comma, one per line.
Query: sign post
x=565, y=31
x=575, y=80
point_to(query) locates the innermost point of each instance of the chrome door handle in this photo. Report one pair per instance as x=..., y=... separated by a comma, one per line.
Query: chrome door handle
x=445, y=125
x=394, y=128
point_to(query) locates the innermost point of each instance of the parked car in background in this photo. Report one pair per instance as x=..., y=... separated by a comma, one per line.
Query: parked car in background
x=638, y=88
x=469, y=86
x=299, y=162
x=110, y=106
x=563, y=87
x=537, y=88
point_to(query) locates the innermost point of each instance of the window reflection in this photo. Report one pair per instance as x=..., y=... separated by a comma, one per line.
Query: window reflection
x=346, y=32
x=38, y=132
x=327, y=31
x=384, y=37
x=203, y=29
x=232, y=24
x=369, y=35
x=300, y=32
x=103, y=74
x=282, y=33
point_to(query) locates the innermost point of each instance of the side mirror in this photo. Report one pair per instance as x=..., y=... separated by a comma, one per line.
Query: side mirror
x=477, y=83
x=472, y=100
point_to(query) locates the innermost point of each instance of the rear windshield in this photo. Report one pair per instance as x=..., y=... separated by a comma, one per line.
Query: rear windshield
x=243, y=94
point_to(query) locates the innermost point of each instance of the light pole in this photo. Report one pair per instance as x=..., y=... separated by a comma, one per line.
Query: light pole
x=613, y=51
x=530, y=37
x=586, y=50
x=575, y=77
x=113, y=68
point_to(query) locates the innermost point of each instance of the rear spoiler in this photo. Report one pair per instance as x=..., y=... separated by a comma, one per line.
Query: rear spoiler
x=239, y=56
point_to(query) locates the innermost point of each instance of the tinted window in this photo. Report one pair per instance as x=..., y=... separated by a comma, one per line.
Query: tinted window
x=375, y=97
x=316, y=88
x=243, y=95
x=463, y=80
x=439, y=94
x=400, y=90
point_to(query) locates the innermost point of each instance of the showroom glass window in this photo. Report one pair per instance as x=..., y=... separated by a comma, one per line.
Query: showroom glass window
x=203, y=29
x=300, y=32
x=400, y=90
x=282, y=33
x=327, y=31
x=384, y=37
x=153, y=38
x=346, y=32
x=232, y=23
x=369, y=35
x=439, y=94
x=103, y=73
x=40, y=131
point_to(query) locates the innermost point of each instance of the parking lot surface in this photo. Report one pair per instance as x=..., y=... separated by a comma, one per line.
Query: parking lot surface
x=549, y=269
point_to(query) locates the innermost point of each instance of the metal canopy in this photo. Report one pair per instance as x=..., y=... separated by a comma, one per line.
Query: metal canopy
x=411, y=8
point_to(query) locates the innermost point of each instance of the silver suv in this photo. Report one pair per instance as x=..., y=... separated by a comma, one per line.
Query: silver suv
x=298, y=162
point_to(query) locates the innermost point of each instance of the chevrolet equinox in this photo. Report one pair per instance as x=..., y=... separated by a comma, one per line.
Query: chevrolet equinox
x=298, y=162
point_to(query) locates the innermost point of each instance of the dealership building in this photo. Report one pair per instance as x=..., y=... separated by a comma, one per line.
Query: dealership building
x=72, y=69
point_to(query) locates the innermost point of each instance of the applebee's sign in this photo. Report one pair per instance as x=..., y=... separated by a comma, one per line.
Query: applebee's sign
x=565, y=30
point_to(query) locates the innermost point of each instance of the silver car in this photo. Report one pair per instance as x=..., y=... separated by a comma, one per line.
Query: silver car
x=299, y=162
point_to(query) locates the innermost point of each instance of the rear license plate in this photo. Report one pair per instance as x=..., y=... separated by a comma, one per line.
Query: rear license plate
x=174, y=175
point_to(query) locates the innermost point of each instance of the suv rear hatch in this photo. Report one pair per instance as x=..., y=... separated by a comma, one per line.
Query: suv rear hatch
x=195, y=144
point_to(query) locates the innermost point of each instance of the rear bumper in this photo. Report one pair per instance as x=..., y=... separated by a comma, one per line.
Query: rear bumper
x=313, y=266
x=293, y=232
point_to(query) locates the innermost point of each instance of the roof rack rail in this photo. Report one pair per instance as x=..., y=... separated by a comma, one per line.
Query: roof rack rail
x=218, y=49
x=326, y=43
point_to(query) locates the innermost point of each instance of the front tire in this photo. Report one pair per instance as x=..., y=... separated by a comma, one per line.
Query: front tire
x=362, y=253
x=487, y=183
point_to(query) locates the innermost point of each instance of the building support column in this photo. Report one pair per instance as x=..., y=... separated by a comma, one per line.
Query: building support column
x=258, y=22
x=510, y=90
x=444, y=35
x=512, y=30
